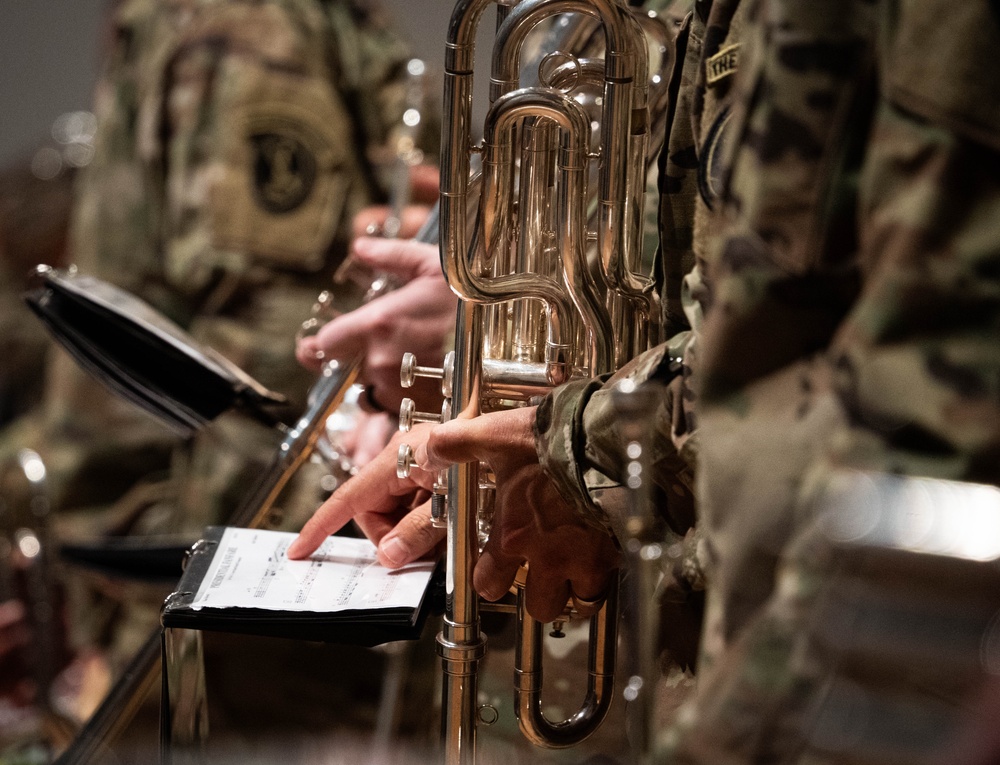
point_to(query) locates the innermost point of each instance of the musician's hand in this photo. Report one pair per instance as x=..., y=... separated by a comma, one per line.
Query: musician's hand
x=368, y=437
x=371, y=221
x=532, y=523
x=415, y=318
x=385, y=506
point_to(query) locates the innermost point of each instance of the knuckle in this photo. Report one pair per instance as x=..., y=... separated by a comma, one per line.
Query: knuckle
x=436, y=442
x=512, y=545
x=379, y=321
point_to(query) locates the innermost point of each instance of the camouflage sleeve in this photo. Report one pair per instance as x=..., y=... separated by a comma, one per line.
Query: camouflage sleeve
x=779, y=287
x=226, y=167
x=261, y=141
x=856, y=656
x=917, y=358
x=580, y=446
x=576, y=438
x=236, y=135
x=267, y=116
x=118, y=196
x=579, y=441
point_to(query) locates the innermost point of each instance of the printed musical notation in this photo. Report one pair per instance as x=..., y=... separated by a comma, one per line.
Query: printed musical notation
x=251, y=570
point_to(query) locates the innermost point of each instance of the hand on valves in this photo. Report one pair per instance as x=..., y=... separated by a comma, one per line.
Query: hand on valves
x=532, y=523
x=415, y=317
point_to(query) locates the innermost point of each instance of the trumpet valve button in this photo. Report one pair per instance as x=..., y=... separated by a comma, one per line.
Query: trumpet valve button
x=404, y=461
x=407, y=408
x=408, y=415
x=448, y=374
x=409, y=371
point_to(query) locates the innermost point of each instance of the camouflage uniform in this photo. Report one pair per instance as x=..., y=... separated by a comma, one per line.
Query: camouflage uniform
x=232, y=151
x=230, y=160
x=34, y=217
x=854, y=322
x=579, y=442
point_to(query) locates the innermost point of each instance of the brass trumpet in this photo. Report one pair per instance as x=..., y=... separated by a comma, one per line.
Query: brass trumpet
x=551, y=288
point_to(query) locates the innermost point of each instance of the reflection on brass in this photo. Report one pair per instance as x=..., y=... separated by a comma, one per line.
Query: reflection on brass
x=551, y=278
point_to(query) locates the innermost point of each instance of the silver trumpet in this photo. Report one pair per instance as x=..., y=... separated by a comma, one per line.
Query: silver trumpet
x=642, y=545
x=552, y=288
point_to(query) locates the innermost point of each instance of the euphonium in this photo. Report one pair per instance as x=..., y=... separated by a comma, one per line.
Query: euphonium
x=551, y=289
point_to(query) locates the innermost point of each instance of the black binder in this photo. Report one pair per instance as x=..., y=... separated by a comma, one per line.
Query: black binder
x=365, y=627
x=144, y=558
x=143, y=356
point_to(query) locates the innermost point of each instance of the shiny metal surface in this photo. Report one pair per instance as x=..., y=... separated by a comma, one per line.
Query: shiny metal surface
x=550, y=282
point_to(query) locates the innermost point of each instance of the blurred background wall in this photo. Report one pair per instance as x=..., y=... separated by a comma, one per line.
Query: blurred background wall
x=48, y=62
x=50, y=52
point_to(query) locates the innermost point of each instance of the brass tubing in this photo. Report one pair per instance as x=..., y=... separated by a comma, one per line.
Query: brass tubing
x=532, y=218
x=623, y=116
x=575, y=131
x=460, y=643
x=456, y=138
x=600, y=678
x=535, y=189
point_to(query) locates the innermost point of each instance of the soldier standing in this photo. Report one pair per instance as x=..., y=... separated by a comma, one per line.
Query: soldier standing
x=235, y=143
x=853, y=327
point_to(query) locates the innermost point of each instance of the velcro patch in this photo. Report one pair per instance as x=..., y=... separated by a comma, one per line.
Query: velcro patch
x=280, y=187
x=715, y=156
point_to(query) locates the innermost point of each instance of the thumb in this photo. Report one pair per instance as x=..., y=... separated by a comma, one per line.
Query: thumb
x=413, y=537
x=404, y=258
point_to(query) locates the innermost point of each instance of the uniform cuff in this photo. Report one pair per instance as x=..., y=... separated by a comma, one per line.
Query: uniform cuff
x=560, y=445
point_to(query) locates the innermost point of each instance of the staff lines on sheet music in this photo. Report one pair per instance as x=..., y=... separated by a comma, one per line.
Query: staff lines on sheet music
x=305, y=586
x=250, y=569
x=274, y=562
x=385, y=592
x=352, y=581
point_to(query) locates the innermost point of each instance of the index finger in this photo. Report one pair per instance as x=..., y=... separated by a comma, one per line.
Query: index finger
x=345, y=335
x=465, y=439
x=375, y=489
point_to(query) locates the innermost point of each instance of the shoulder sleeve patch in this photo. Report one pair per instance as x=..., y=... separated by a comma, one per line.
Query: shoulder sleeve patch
x=722, y=64
x=284, y=168
x=715, y=157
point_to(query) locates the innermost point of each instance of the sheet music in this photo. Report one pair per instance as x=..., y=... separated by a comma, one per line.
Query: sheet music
x=250, y=570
